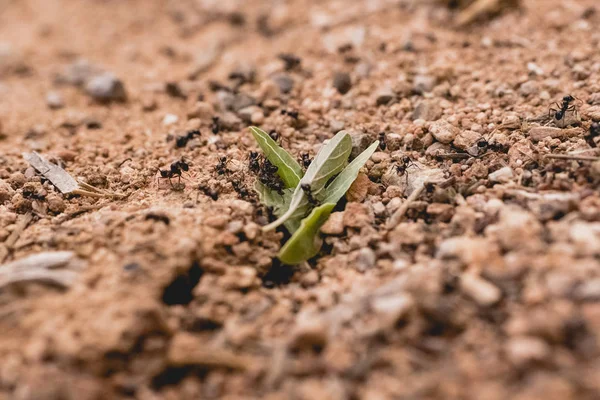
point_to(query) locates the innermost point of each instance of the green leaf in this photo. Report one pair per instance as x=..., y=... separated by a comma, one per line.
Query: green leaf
x=330, y=160
x=289, y=170
x=272, y=199
x=340, y=185
x=305, y=242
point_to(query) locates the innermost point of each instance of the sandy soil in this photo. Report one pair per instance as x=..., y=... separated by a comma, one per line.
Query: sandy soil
x=487, y=287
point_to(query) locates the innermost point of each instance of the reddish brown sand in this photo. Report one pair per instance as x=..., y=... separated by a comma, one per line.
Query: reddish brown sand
x=487, y=289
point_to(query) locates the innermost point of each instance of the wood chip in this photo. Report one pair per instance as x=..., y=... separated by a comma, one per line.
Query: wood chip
x=59, y=268
x=22, y=223
x=187, y=349
x=62, y=180
x=55, y=174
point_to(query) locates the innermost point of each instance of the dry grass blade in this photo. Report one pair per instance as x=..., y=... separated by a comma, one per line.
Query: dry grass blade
x=55, y=268
x=62, y=179
x=22, y=223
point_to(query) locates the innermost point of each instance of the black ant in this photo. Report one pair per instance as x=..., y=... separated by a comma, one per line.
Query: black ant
x=221, y=167
x=593, y=134
x=274, y=135
x=268, y=176
x=176, y=169
x=308, y=192
x=212, y=193
x=253, y=162
x=560, y=109
x=292, y=114
x=382, y=144
x=216, y=125
x=240, y=189
x=182, y=140
x=404, y=165
x=306, y=160
x=290, y=61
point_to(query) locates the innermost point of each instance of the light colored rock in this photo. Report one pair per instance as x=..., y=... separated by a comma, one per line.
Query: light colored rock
x=481, y=291
x=538, y=133
x=170, y=119
x=365, y=259
x=504, y=174
x=525, y=349
x=427, y=110
x=467, y=139
x=334, y=224
x=394, y=307
x=105, y=88
x=443, y=131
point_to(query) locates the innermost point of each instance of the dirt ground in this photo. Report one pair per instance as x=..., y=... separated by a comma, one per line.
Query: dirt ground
x=486, y=284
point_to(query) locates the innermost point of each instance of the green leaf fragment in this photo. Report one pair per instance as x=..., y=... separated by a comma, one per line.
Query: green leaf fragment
x=340, y=185
x=305, y=243
x=330, y=160
x=289, y=170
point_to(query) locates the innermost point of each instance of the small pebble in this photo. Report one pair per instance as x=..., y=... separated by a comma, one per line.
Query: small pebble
x=284, y=82
x=54, y=100
x=105, y=88
x=481, y=291
x=443, y=131
x=384, y=96
x=170, y=119
x=342, y=82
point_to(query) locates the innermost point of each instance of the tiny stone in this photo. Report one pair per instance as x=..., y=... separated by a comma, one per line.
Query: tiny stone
x=443, y=131
x=529, y=88
x=105, y=88
x=242, y=100
x=336, y=125
x=481, y=291
x=56, y=204
x=311, y=278
x=423, y=83
x=202, y=110
x=396, y=306
x=170, y=119
x=384, y=96
x=342, y=82
x=365, y=259
x=525, y=349
x=149, y=104
x=393, y=141
x=284, y=82
x=427, y=110
x=538, y=133
x=504, y=174
x=334, y=224
x=360, y=142
x=466, y=139
x=54, y=100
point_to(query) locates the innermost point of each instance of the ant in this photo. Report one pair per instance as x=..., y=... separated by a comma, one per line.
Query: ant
x=560, y=109
x=292, y=114
x=216, y=125
x=404, y=165
x=176, y=169
x=253, y=162
x=306, y=160
x=221, y=167
x=240, y=189
x=308, y=192
x=267, y=176
x=290, y=61
x=382, y=144
x=182, y=140
x=274, y=135
x=212, y=193
x=593, y=134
